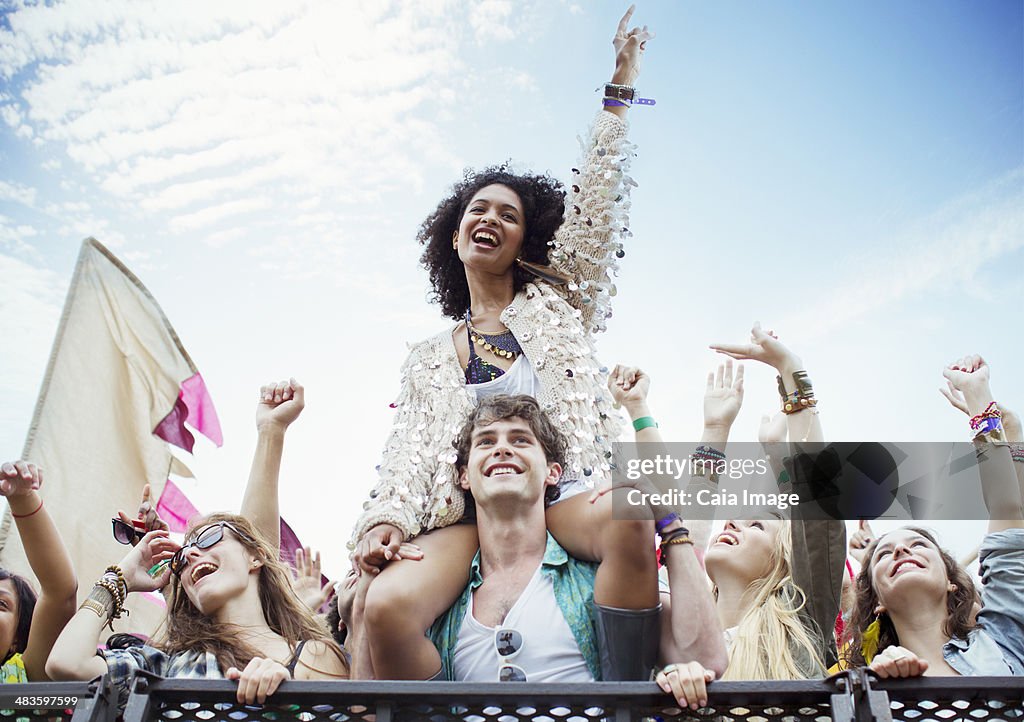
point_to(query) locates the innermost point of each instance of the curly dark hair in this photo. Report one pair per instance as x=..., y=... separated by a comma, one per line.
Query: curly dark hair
x=543, y=200
x=959, y=604
x=504, y=406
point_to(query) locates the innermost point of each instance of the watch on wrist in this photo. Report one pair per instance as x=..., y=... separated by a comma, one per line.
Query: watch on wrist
x=624, y=93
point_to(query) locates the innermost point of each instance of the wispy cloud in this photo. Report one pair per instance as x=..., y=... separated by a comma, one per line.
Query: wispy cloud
x=199, y=112
x=947, y=248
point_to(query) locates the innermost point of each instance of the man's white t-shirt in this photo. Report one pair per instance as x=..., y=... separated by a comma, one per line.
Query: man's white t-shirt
x=549, y=652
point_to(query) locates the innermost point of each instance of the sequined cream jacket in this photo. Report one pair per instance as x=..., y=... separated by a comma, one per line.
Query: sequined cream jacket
x=417, y=488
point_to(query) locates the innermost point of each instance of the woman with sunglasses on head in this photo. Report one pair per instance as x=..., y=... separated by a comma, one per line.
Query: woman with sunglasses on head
x=232, y=612
x=523, y=327
x=29, y=624
x=916, y=606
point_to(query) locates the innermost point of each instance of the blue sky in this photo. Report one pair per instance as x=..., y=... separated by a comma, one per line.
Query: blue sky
x=851, y=174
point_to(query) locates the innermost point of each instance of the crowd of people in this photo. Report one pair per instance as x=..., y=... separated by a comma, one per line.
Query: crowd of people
x=489, y=550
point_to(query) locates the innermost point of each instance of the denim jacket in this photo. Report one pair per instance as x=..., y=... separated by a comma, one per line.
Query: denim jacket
x=996, y=646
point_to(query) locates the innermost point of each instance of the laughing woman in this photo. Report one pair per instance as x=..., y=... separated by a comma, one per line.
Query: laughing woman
x=915, y=609
x=232, y=611
x=526, y=273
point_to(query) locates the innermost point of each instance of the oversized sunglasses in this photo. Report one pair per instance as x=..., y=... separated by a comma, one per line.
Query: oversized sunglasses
x=207, y=538
x=508, y=643
x=126, y=533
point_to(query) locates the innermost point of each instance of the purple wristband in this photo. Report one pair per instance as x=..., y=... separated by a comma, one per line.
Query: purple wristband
x=664, y=522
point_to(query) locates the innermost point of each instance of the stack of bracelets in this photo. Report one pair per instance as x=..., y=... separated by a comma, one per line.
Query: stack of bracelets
x=704, y=461
x=1017, y=453
x=671, y=539
x=988, y=425
x=802, y=398
x=108, y=595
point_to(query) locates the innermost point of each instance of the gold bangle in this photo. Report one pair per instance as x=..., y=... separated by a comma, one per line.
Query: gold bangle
x=93, y=606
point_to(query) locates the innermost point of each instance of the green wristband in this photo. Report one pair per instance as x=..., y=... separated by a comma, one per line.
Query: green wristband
x=644, y=422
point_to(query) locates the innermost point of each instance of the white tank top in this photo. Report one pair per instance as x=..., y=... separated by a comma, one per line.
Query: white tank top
x=549, y=652
x=519, y=379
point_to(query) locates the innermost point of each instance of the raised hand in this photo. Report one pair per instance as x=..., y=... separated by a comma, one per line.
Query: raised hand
x=970, y=377
x=861, y=540
x=629, y=385
x=19, y=478
x=280, y=404
x=307, y=582
x=152, y=549
x=765, y=347
x=723, y=396
x=630, y=45
x=147, y=513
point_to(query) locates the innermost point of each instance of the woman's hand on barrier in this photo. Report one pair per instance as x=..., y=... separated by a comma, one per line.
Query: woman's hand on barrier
x=687, y=683
x=896, y=661
x=260, y=679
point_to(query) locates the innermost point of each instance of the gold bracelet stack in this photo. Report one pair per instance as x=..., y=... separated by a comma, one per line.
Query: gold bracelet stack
x=802, y=398
x=108, y=596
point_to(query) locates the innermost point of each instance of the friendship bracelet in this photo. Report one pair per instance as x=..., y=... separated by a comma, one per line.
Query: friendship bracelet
x=644, y=422
x=1017, y=453
x=991, y=412
x=25, y=516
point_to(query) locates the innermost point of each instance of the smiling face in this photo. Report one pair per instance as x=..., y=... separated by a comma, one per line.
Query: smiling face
x=221, y=572
x=905, y=564
x=746, y=549
x=491, y=230
x=507, y=461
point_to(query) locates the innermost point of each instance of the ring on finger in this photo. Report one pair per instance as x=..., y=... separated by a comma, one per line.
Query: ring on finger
x=669, y=669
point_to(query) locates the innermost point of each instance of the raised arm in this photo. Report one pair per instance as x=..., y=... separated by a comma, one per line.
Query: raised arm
x=74, y=654
x=999, y=481
x=279, y=405
x=691, y=644
x=819, y=545
x=20, y=482
x=1009, y=420
x=588, y=244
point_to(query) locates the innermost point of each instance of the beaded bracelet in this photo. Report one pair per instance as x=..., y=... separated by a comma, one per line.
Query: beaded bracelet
x=1017, y=453
x=802, y=398
x=116, y=570
x=674, y=538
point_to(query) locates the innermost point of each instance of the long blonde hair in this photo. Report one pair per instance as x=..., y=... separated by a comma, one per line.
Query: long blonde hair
x=772, y=640
x=187, y=629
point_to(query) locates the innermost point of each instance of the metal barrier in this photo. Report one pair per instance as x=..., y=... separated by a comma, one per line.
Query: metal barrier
x=852, y=696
